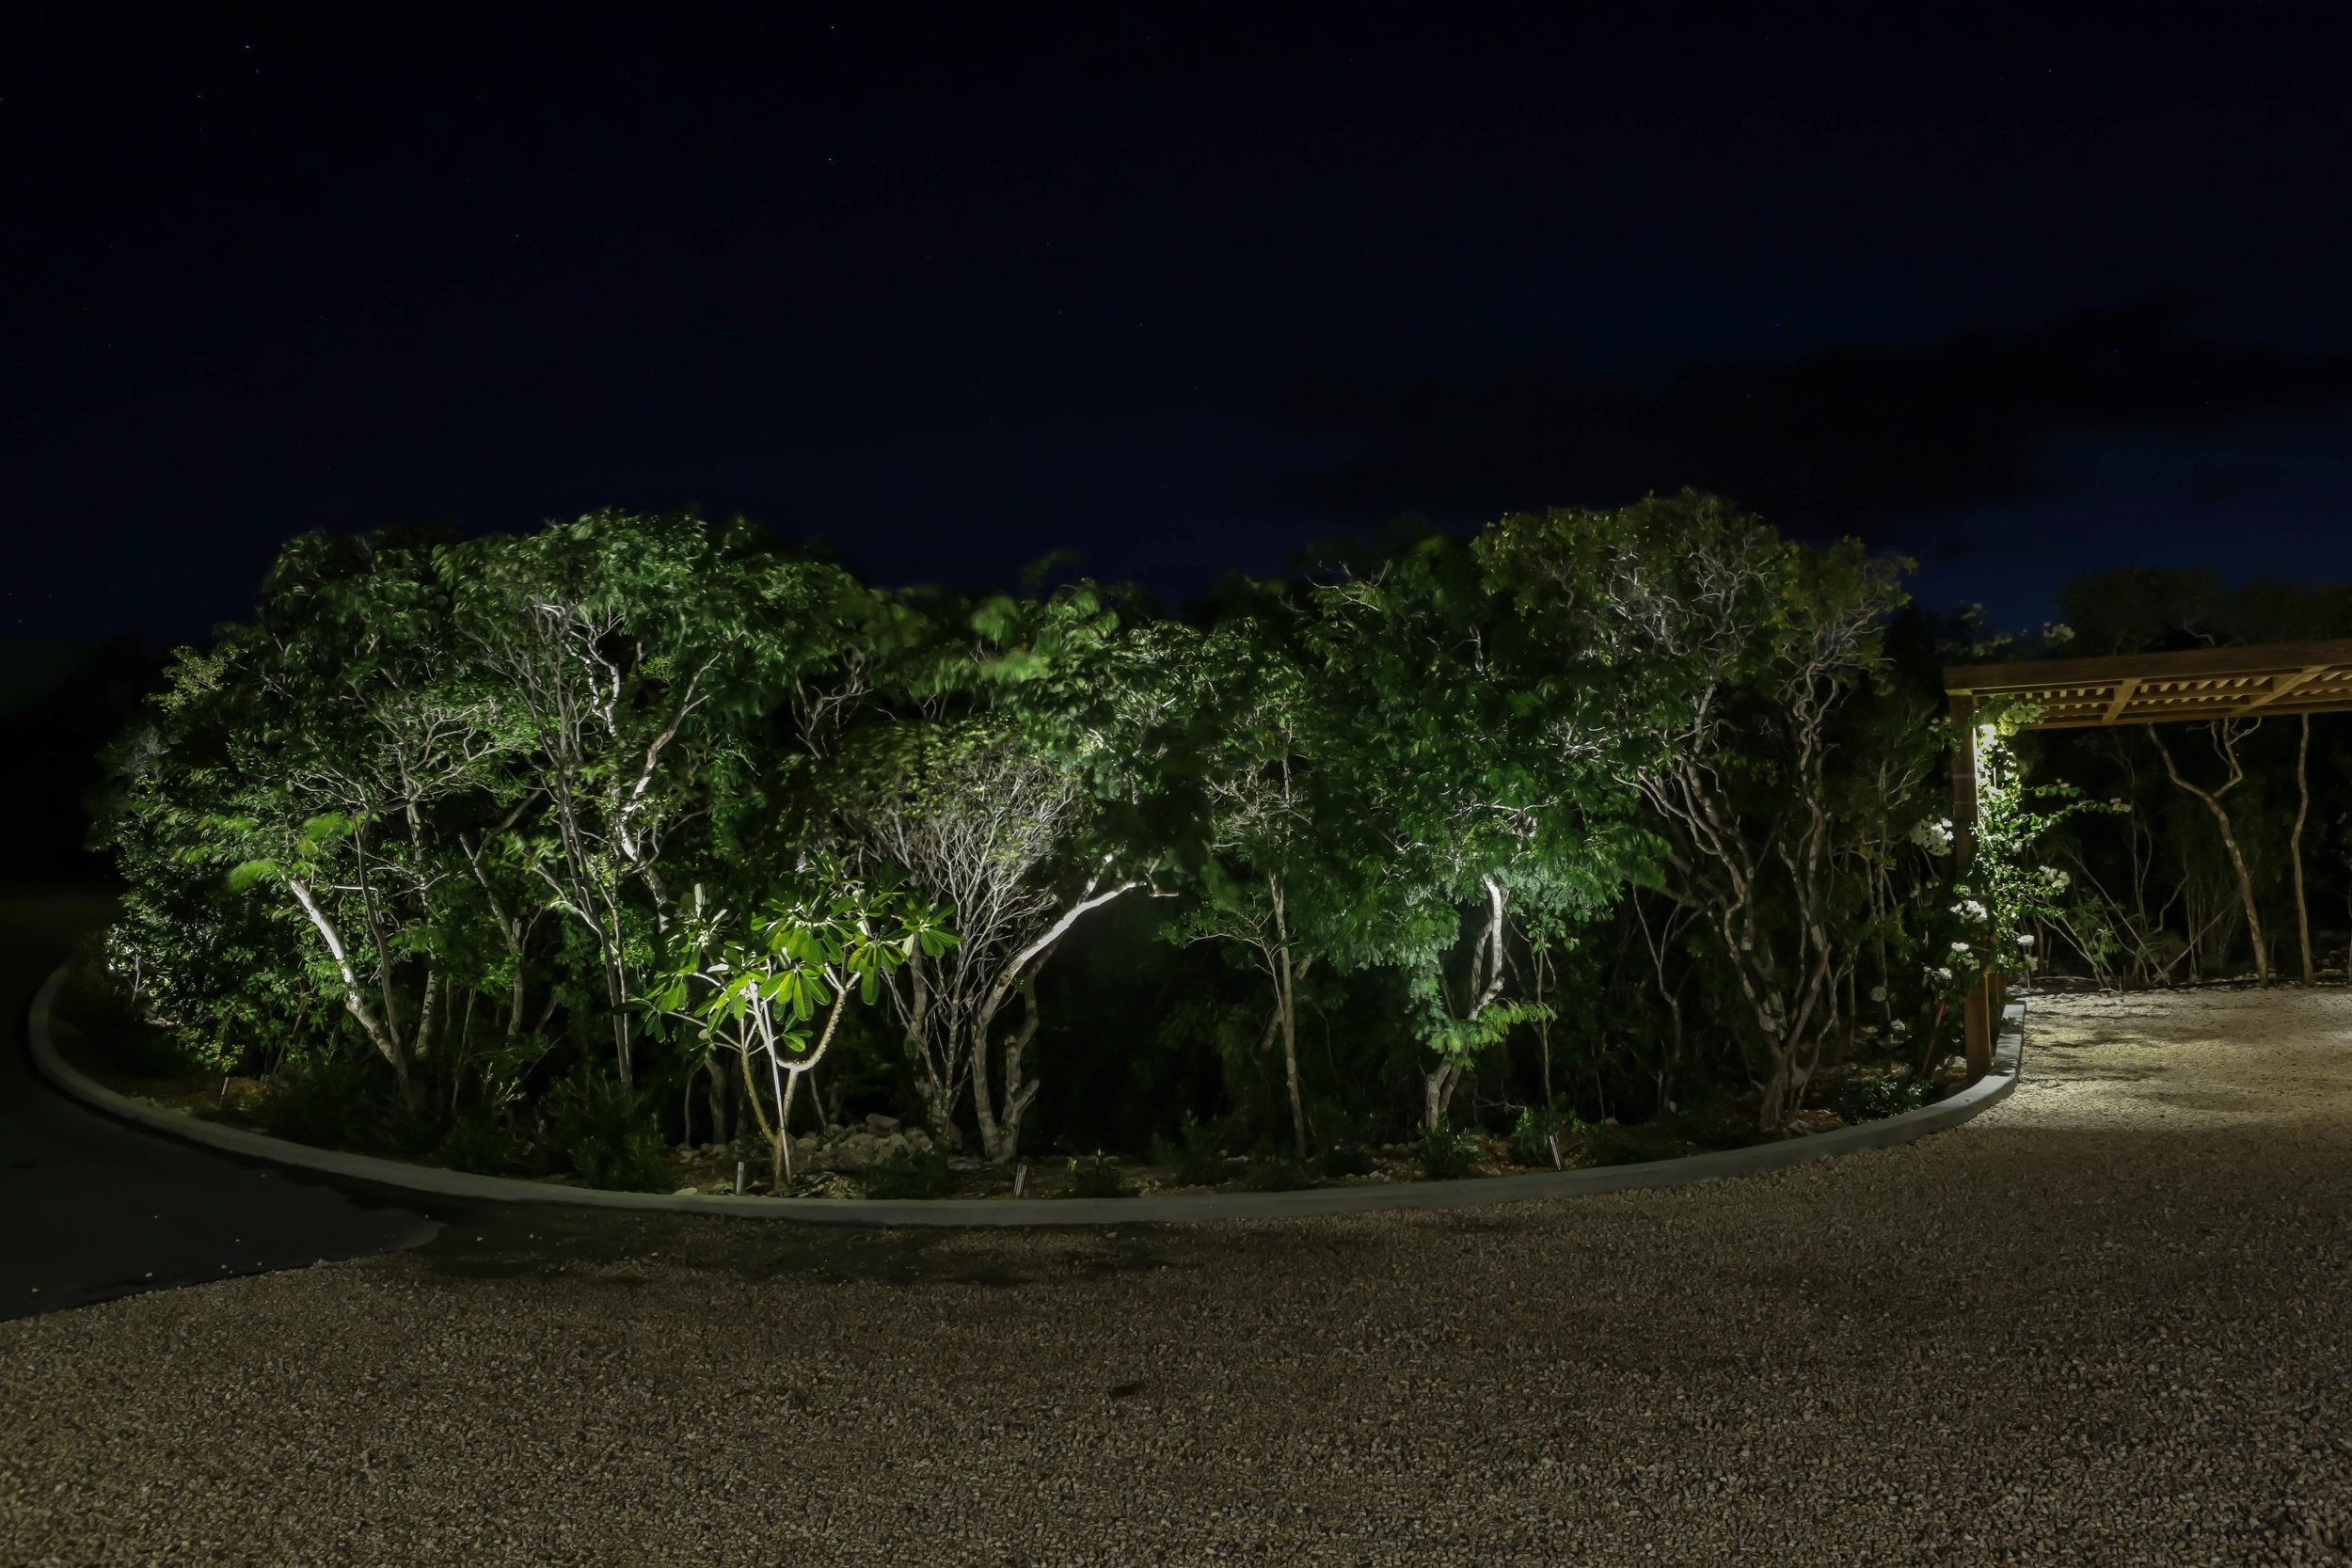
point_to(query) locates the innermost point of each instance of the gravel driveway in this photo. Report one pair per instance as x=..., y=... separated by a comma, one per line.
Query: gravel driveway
x=2106, y=1323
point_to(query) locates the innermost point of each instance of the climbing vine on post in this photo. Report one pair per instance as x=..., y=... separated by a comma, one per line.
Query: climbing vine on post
x=2008, y=889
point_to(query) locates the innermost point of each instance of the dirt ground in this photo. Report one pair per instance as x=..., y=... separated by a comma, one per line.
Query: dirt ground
x=2104, y=1324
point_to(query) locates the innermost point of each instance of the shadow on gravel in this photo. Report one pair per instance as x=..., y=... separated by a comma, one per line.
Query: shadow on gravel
x=546, y=1242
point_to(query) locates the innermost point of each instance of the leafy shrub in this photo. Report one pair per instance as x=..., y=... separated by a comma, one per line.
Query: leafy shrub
x=1281, y=1174
x=1096, y=1178
x=1445, y=1154
x=908, y=1174
x=484, y=1144
x=1719, y=1121
x=1345, y=1160
x=600, y=1130
x=1872, y=1099
x=334, y=1101
x=1198, y=1160
x=97, y=1006
x=1530, y=1140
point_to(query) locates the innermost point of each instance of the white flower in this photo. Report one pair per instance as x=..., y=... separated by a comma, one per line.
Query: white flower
x=1932, y=836
x=1899, y=1028
x=1941, y=974
x=2025, y=939
x=1968, y=909
x=2057, y=881
x=1878, y=994
x=1961, y=948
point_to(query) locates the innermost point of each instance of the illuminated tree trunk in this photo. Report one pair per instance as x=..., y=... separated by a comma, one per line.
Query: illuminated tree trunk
x=2225, y=737
x=2302, y=810
x=1439, y=1083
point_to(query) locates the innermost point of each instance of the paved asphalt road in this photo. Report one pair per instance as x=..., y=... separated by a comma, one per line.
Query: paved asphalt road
x=91, y=1209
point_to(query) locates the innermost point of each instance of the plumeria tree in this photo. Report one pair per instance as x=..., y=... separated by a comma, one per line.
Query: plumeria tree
x=770, y=985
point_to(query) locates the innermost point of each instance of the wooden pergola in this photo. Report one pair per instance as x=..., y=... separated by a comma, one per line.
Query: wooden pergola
x=2128, y=688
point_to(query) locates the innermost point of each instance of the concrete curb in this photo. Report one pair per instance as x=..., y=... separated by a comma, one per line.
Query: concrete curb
x=405, y=1178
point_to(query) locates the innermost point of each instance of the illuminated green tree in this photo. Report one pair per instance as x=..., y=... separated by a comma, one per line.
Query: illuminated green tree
x=754, y=986
x=1471, y=782
x=1741, y=655
x=631, y=657
x=317, y=758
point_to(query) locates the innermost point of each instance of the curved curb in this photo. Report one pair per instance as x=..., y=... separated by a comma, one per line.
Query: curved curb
x=1475, y=1192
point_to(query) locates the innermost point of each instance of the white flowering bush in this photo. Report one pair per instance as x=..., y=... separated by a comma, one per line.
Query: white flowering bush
x=1934, y=834
x=2011, y=889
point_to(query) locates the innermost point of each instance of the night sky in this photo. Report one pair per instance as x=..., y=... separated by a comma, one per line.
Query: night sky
x=1180, y=290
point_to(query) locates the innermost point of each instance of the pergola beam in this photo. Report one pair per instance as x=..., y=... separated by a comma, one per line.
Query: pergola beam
x=2143, y=688
x=2282, y=684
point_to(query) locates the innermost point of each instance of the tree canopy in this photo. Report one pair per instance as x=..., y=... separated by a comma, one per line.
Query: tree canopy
x=590, y=821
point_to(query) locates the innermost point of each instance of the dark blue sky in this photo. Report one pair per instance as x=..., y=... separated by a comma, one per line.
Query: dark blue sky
x=1182, y=290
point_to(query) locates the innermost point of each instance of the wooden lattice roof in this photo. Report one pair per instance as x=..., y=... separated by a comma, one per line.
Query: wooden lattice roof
x=2145, y=688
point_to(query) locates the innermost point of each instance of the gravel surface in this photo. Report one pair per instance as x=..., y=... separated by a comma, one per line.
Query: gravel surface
x=2104, y=1324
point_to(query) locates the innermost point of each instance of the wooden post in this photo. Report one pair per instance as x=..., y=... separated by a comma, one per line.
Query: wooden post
x=1976, y=1014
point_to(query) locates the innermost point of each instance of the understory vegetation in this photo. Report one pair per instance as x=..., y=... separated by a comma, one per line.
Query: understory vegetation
x=1599, y=836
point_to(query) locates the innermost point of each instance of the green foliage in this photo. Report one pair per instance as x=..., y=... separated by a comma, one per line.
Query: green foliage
x=1097, y=1178
x=908, y=1174
x=106, y=1012
x=754, y=987
x=1532, y=1135
x=1445, y=1153
x=826, y=932
x=335, y=1100
x=601, y=1130
x=1601, y=813
x=486, y=1144
x=1472, y=779
x=1277, y=1173
x=1196, y=1154
x=1338, y=1134
x=2015, y=890
x=1868, y=1097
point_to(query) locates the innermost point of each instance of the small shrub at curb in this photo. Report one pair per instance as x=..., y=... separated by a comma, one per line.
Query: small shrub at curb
x=1717, y=1123
x=598, y=1128
x=908, y=1174
x=101, y=1010
x=1445, y=1154
x=1876, y=1098
x=330, y=1101
x=1096, y=1178
x=482, y=1144
x=1346, y=1160
x=1538, y=1125
x=1198, y=1159
x=1280, y=1175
